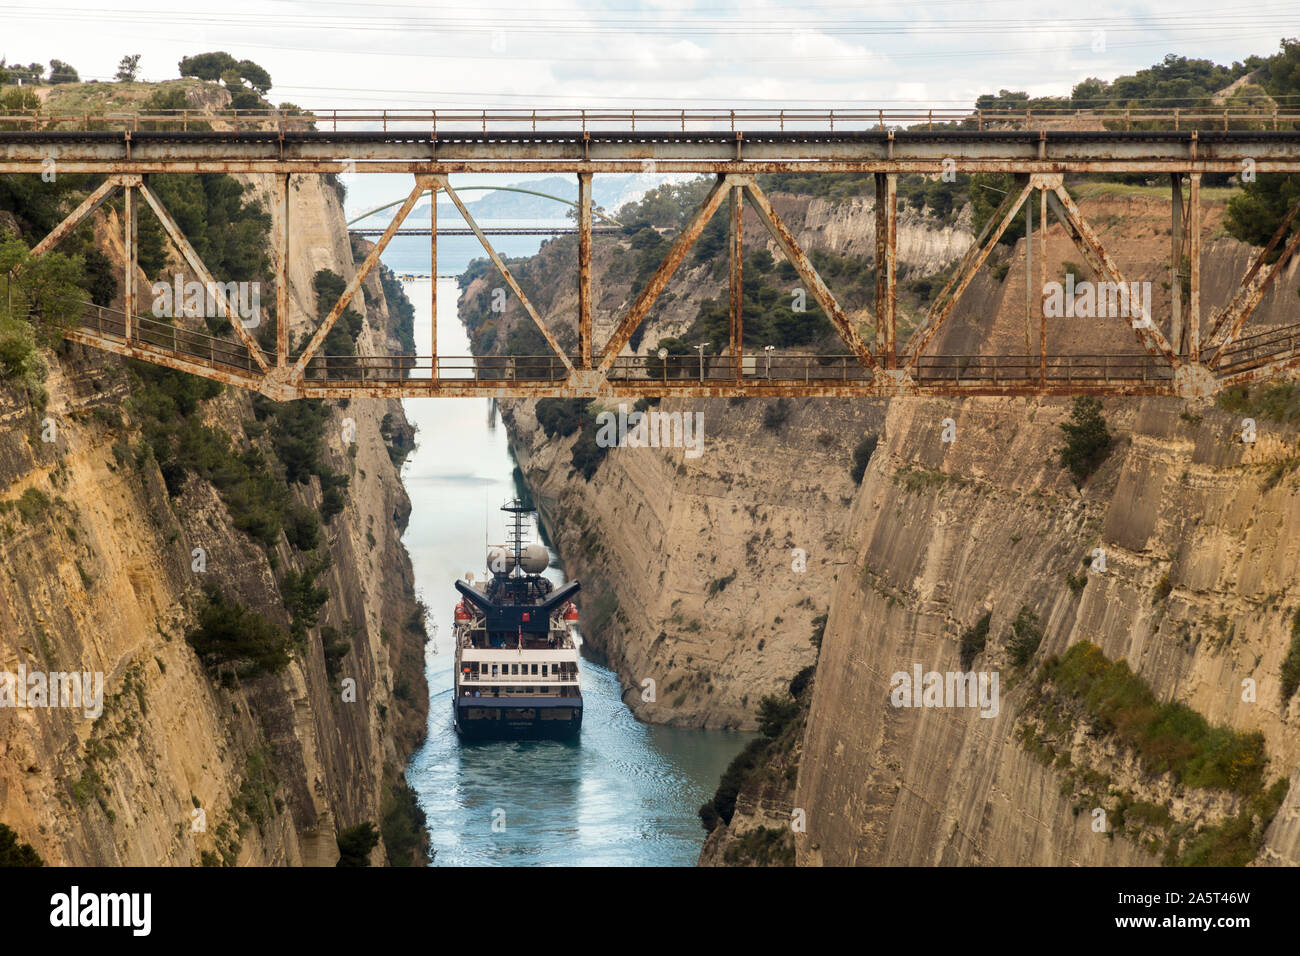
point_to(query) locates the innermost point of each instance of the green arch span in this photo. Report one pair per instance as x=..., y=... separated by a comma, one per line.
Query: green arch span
x=507, y=189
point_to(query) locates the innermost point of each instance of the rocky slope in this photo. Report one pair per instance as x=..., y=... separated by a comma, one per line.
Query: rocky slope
x=99, y=572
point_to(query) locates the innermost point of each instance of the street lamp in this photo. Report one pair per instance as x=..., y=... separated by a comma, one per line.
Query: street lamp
x=769, y=349
x=700, y=348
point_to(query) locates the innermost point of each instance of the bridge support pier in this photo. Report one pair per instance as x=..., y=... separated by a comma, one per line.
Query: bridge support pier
x=584, y=271
x=886, y=303
x=1176, y=264
x=737, y=286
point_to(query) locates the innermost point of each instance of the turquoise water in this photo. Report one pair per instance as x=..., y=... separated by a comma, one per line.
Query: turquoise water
x=624, y=793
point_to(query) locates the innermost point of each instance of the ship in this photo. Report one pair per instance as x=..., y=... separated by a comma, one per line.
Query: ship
x=516, y=670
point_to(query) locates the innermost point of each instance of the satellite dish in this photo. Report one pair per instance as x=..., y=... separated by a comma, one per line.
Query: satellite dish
x=663, y=353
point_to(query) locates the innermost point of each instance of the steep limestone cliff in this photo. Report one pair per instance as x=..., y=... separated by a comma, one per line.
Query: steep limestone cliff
x=99, y=572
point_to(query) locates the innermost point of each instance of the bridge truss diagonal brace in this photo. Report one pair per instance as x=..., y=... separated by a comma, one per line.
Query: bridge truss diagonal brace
x=970, y=264
x=79, y=215
x=422, y=185
x=201, y=270
x=1081, y=234
x=786, y=240
x=1251, y=291
x=676, y=253
x=442, y=183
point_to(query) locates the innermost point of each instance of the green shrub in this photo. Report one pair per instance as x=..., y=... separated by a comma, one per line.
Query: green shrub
x=230, y=638
x=33, y=504
x=1237, y=840
x=13, y=852
x=862, y=457
x=974, y=639
x=1279, y=402
x=1026, y=635
x=1291, y=665
x=819, y=631
x=302, y=527
x=774, y=713
x=355, y=844
x=302, y=599
x=762, y=846
x=1169, y=736
x=403, y=825
x=1087, y=439
x=335, y=647
x=561, y=416
x=723, y=805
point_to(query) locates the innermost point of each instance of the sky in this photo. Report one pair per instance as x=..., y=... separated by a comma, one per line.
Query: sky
x=662, y=53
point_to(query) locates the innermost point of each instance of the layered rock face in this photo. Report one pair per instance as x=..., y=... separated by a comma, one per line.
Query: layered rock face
x=698, y=575
x=1197, y=596
x=101, y=571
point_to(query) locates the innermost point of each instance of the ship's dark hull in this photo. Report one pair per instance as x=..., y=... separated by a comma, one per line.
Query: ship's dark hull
x=517, y=718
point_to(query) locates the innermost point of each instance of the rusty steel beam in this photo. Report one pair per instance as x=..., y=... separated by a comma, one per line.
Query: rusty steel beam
x=1155, y=344
x=433, y=275
x=584, y=270
x=797, y=258
x=1262, y=373
x=130, y=248
x=78, y=215
x=350, y=290
x=1194, y=267
x=1043, y=285
x=672, y=259
x=699, y=167
x=449, y=388
x=737, y=276
x=505, y=274
x=1252, y=288
x=702, y=145
x=282, y=274
x=886, y=300
x=192, y=257
x=1029, y=270
x=970, y=264
x=1253, y=299
x=1176, y=264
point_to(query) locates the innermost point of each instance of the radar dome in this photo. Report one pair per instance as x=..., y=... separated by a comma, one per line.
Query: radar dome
x=535, y=559
x=500, y=560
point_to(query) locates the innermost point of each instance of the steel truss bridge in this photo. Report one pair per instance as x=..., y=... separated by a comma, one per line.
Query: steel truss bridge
x=1199, y=355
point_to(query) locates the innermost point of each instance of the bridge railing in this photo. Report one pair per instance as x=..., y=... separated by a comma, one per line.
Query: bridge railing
x=660, y=120
x=1068, y=369
x=505, y=369
x=1258, y=349
x=164, y=336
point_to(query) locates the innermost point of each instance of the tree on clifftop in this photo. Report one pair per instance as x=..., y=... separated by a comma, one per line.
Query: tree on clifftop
x=246, y=81
x=1256, y=213
x=128, y=68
